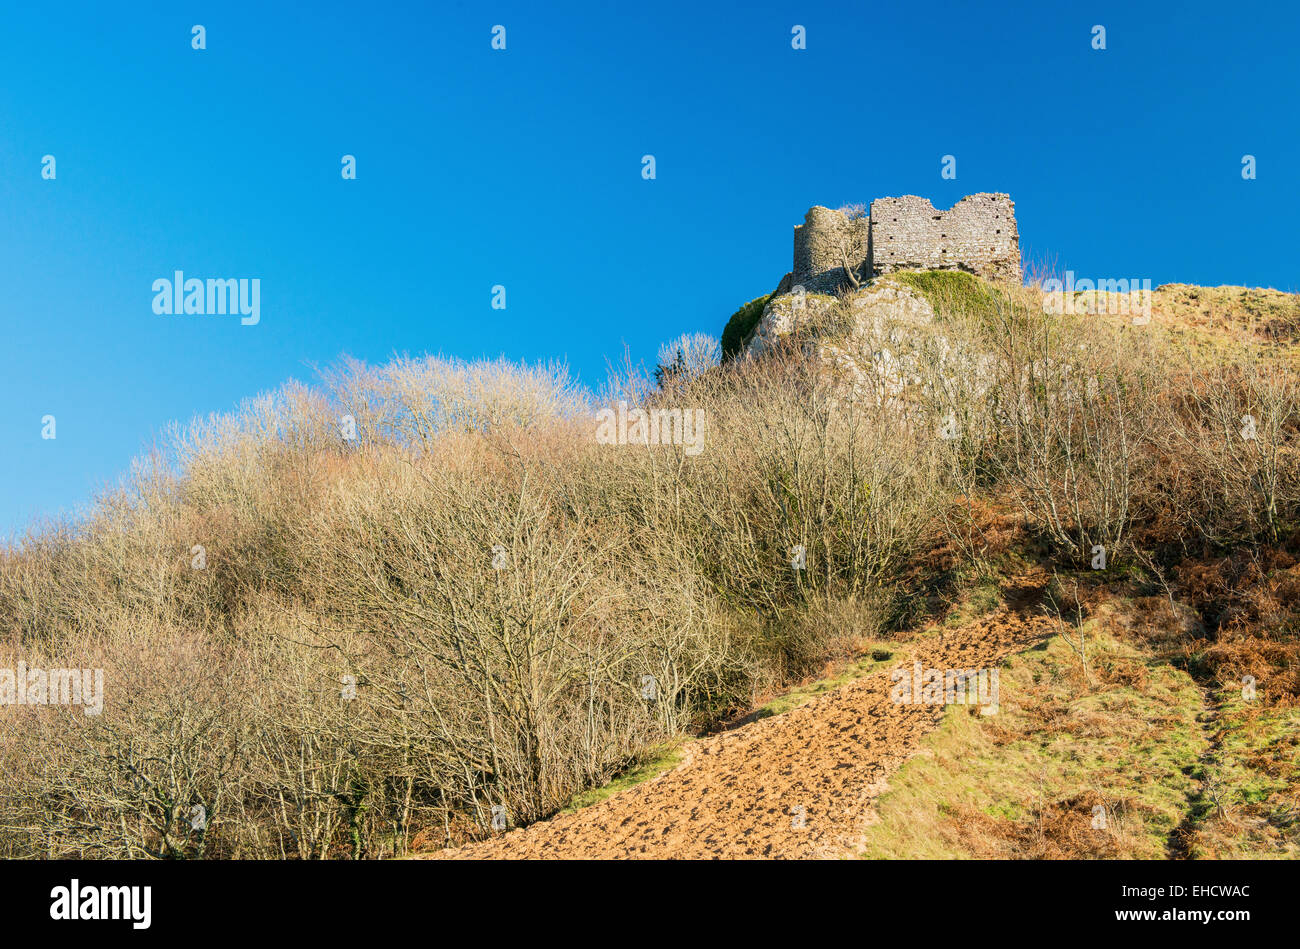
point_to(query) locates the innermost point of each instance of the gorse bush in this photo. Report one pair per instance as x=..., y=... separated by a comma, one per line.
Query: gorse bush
x=321, y=646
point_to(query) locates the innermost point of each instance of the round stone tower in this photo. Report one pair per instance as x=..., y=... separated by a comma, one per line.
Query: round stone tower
x=820, y=245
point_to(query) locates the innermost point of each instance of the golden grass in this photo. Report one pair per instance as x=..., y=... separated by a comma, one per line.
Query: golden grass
x=1026, y=782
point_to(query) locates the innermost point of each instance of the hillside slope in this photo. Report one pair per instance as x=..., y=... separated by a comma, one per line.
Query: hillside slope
x=798, y=785
x=377, y=616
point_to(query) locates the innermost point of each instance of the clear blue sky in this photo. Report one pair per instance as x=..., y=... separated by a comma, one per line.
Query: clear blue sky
x=523, y=168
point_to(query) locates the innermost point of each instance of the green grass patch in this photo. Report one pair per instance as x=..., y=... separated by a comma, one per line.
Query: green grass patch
x=660, y=760
x=1023, y=783
x=953, y=291
x=982, y=597
x=1250, y=805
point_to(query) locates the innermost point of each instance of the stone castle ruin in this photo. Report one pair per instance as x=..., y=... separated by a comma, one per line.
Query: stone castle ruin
x=847, y=250
x=834, y=249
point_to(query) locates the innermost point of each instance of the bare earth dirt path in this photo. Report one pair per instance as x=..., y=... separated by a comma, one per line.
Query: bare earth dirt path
x=739, y=794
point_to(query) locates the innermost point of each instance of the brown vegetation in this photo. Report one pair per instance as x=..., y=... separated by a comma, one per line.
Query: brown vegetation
x=454, y=614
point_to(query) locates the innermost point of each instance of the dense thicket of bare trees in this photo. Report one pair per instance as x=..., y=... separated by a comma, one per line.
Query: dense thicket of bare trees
x=319, y=645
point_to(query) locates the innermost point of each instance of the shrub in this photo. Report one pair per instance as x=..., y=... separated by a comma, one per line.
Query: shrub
x=740, y=324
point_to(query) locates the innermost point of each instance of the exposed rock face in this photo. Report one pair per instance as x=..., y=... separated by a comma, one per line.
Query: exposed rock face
x=884, y=302
x=877, y=341
x=879, y=338
x=783, y=314
x=888, y=301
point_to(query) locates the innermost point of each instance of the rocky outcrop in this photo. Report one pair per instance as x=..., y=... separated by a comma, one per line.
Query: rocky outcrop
x=857, y=314
x=877, y=341
x=873, y=330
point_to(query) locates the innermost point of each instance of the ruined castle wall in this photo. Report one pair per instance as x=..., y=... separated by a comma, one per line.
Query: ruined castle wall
x=818, y=264
x=977, y=235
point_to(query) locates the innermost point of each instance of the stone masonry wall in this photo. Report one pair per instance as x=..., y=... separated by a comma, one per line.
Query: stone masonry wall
x=818, y=264
x=977, y=235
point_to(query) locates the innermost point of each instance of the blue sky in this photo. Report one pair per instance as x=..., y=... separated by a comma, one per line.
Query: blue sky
x=522, y=168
